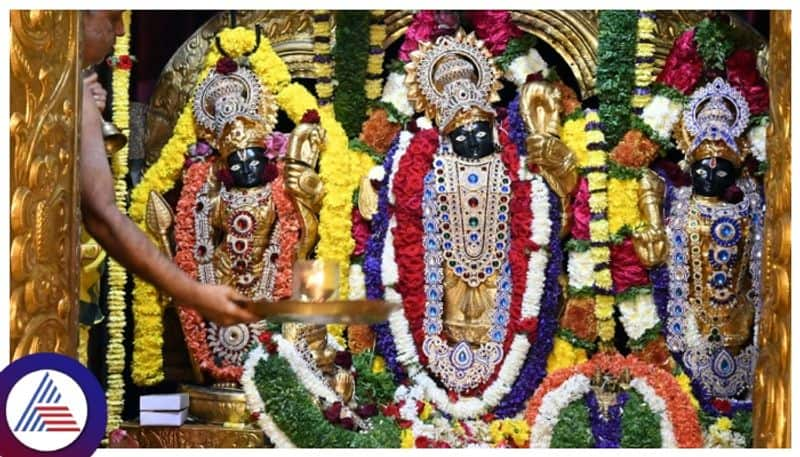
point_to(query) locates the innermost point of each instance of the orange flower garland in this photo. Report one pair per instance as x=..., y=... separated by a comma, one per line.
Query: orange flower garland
x=289, y=237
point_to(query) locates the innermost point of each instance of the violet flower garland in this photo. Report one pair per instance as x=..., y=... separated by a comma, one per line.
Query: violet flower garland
x=534, y=369
x=607, y=432
x=384, y=342
x=516, y=127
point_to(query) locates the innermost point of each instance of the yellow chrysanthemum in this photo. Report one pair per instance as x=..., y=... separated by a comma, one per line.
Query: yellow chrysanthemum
x=623, y=207
x=564, y=355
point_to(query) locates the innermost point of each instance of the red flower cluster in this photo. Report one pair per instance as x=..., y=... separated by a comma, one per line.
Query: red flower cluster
x=226, y=66
x=310, y=117
x=627, y=271
x=743, y=74
x=266, y=339
x=360, y=231
x=495, y=28
x=123, y=62
x=684, y=66
x=425, y=442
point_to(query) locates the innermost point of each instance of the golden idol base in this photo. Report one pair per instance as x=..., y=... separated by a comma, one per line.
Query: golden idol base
x=196, y=436
x=217, y=405
x=325, y=312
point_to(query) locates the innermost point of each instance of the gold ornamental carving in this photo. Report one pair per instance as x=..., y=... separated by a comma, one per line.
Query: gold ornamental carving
x=772, y=389
x=196, y=436
x=44, y=182
x=290, y=33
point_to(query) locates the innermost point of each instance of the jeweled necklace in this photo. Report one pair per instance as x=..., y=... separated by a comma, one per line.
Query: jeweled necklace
x=232, y=343
x=461, y=367
x=472, y=198
x=717, y=369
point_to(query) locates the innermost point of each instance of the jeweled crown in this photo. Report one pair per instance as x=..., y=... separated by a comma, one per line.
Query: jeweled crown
x=716, y=113
x=448, y=80
x=222, y=98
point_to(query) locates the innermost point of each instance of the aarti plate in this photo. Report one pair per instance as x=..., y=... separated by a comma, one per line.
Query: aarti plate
x=325, y=312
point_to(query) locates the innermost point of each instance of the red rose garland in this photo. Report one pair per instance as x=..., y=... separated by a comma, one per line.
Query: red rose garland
x=408, y=188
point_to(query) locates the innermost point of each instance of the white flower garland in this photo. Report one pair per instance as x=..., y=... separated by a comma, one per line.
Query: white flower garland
x=580, y=267
x=358, y=290
x=552, y=403
x=475, y=406
x=659, y=407
x=256, y=404
x=389, y=273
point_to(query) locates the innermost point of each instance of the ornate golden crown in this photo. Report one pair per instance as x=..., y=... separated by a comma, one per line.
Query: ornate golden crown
x=239, y=133
x=453, y=81
x=222, y=98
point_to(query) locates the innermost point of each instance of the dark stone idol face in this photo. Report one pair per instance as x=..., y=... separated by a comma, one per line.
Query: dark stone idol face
x=473, y=140
x=710, y=177
x=247, y=167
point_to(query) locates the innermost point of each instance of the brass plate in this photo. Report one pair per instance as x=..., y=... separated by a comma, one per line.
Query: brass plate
x=327, y=312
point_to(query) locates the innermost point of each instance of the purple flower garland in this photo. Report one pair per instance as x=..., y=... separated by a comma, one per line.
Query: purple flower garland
x=516, y=128
x=607, y=432
x=534, y=368
x=372, y=266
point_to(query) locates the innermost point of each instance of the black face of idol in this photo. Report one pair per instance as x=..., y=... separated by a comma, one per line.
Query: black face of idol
x=247, y=167
x=473, y=140
x=710, y=177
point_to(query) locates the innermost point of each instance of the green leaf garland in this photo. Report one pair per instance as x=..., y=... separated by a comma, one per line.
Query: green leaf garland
x=616, y=60
x=574, y=428
x=350, y=55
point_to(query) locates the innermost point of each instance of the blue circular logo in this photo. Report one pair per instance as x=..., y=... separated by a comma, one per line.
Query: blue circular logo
x=52, y=406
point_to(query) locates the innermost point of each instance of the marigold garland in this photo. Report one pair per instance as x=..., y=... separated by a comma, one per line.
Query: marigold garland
x=340, y=171
x=117, y=276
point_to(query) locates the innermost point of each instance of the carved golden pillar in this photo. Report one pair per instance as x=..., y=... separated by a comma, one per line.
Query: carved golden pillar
x=771, y=393
x=44, y=182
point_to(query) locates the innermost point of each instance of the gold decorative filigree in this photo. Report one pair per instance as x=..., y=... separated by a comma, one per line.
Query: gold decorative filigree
x=291, y=35
x=45, y=252
x=771, y=392
x=195, y=436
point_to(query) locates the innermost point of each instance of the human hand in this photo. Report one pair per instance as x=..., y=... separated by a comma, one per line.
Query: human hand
x=94, y=93
x=221, y=304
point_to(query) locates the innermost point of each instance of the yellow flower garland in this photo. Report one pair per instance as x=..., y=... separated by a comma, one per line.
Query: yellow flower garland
x=377, y=33
x=340, y=172
x=623, y=209
x=117, y=276
x=322, y=48
x=645, y=50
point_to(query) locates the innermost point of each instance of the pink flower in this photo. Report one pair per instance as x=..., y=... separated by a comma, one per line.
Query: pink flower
x=743, y=75
x=275, y=145
x=495, y=28
x=684, y=66
x=421, y=29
